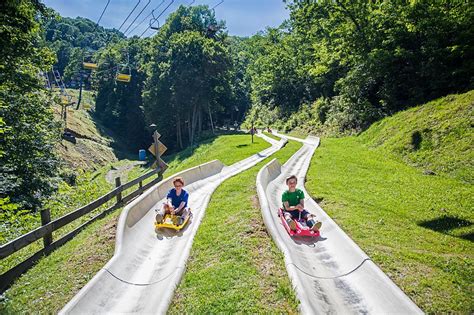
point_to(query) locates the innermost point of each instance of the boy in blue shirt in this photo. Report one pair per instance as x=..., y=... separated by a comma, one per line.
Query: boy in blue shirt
x=176, y=202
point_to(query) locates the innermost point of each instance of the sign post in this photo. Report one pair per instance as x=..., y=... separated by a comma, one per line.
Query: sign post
x=157, y=149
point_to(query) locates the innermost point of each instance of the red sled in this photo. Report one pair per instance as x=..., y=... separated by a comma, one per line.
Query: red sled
x=301, y=228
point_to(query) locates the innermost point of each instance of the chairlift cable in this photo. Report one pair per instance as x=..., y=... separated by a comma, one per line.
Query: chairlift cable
x=156, y=19
x=146, y=17
x=134, y=8
x=146, y=5
x=98, y=21
x=217, y=5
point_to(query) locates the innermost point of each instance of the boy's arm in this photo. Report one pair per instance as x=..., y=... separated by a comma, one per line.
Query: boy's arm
x=181, y=206
x=301, y=205
x=168, y=199
x=288, y=208
x=183, y=203
x=301, y=196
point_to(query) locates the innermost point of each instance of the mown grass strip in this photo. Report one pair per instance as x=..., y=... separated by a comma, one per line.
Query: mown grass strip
x=234, y=266
x=419, y=229
x=271, y=135
x=49, y=285
x=226, y=148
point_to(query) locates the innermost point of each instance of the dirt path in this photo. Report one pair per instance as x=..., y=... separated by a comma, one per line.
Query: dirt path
x=121, y=171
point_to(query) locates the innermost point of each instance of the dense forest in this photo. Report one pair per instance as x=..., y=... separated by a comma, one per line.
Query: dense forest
x=338, y=66
x=334, y=67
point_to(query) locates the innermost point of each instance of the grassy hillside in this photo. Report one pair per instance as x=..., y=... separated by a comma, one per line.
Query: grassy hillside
x=437, y=136
x=94, y=143
x=419, y=229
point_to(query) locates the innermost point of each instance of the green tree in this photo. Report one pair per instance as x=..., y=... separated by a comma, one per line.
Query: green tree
x=119, y=105
x=366, y=59
x=189, y=75
x=28, y=164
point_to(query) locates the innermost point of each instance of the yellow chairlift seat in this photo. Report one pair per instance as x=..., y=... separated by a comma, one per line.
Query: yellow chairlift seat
x=123, y=77
x=90, y=65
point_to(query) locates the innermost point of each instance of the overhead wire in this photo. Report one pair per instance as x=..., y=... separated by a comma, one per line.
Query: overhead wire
x=128, y=16
x=146, y=17
x=143, y=9
x=217, y=5
x=103, y=11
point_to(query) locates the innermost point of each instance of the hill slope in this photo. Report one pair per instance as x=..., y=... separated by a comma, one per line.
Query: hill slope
x=93, y=147
x=437, y=136
x=419, y=229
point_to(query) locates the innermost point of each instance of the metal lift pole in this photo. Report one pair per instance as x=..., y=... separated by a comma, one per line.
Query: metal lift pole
x=80, y=91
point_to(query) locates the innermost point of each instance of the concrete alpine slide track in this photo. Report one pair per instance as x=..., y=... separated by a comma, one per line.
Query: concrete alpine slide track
x=331, y=274
x=147, y=265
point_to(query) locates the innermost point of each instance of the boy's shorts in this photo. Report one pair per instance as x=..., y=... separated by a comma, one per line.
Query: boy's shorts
x=295, y=214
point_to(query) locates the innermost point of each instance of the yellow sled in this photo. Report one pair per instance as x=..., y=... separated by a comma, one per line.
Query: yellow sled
x=171, y=221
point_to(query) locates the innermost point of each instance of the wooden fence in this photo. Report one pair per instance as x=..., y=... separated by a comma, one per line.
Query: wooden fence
x=48, y=227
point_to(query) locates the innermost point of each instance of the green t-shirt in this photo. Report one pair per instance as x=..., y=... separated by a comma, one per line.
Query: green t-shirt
x=293, y=198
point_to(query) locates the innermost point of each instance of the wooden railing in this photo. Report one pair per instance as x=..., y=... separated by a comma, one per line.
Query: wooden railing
x=48, y=226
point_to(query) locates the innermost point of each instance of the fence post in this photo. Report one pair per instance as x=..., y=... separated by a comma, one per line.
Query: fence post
x=45, y=219
x=140, y=186
x=118, y=184
x=159, y=174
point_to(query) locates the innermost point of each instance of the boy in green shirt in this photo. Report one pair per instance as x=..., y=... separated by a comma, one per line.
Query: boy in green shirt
x=293, y=206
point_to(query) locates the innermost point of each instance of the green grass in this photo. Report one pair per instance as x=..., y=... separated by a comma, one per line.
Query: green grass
x=234, y=267
x=90, y=186
x=271, y=135
x=88, y=98
x=419, y=229
x=298, y=134
x=227, y=148
x=437, y=136
x=68, y=198
x=55, y=280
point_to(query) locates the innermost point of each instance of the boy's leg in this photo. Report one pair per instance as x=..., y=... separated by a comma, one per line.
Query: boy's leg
x=311, y=221
x=290, y=221
x=182, y=215
x=160, y=213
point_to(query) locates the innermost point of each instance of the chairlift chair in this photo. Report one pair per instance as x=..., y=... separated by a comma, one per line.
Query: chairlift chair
x=157, y=27
x=122, y=76
x=88, y=63
x=153, y=20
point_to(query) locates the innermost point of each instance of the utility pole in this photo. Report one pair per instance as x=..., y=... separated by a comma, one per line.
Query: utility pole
x=81, y=74
x=252, y=131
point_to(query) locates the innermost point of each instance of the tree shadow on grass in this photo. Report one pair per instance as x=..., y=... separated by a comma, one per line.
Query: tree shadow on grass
x=468, y=236
x=446, y=224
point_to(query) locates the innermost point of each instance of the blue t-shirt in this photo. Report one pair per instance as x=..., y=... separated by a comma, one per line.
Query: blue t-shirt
x=176, y=200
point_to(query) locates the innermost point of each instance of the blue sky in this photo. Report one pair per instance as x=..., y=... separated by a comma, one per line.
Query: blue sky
x=243, y=17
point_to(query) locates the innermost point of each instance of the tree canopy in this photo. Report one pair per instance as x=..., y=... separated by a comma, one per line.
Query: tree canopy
x=334, y=66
